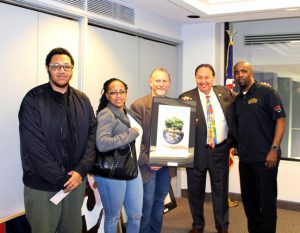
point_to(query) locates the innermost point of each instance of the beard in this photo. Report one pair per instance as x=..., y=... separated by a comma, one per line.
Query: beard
x=160, y=92
x=244, y=84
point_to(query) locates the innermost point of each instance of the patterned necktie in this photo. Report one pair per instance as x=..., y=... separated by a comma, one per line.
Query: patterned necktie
x=211, y=124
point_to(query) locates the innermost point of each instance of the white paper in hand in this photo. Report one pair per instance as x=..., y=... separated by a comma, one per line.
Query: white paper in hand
x=57, y=198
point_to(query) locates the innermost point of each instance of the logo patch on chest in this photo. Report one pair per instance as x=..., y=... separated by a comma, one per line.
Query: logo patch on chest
x=252, y=101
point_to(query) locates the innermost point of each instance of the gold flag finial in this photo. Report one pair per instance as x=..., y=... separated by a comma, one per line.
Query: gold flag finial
x=231, y=34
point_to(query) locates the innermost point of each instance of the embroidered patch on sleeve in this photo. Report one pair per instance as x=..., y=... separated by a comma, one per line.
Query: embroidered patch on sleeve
x=277, y=108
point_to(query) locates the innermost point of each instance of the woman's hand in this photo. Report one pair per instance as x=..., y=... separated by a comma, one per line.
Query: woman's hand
x=136, y=129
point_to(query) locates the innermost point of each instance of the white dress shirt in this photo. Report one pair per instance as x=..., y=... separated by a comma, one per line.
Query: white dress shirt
x=138, y=140
x=220, y=120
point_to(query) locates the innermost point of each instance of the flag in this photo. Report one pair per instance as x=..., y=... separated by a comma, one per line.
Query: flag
x=2, y=230
x=229, y=80
x=229, y=61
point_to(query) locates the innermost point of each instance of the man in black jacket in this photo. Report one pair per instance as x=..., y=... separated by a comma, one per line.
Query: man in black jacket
x=57, y=136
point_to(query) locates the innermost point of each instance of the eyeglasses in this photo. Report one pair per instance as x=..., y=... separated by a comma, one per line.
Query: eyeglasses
x=115, y=93
x=57, y=66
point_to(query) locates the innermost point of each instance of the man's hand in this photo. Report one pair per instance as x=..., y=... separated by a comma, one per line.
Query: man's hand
x=154, y=168
x=186, y=98
x=265, y=84
x=271, y=159
x=73, y=182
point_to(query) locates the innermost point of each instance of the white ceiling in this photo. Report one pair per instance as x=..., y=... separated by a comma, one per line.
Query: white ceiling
x=218, y=10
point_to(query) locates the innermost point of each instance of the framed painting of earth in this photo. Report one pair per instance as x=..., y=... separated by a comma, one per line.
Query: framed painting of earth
x=172, y=135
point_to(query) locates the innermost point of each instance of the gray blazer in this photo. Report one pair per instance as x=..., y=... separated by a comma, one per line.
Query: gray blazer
x=142, y=108
x=111, y=131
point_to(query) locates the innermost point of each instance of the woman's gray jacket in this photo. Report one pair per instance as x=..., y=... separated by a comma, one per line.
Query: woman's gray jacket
x=113, y=128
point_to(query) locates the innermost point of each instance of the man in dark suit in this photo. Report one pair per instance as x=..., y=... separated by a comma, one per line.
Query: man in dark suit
x=156, y=180
x=210, y=156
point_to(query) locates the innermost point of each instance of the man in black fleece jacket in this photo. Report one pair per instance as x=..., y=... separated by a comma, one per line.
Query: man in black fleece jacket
x=57, y=137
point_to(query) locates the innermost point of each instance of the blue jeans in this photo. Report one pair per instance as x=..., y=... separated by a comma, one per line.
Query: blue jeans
x=116, y=193
x=155, y=192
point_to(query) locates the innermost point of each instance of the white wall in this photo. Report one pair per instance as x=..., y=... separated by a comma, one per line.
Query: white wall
x=157, y=25
x=202, y=43
x=112, y=54
x=234, y=177
x=18, y=52
x=153, y=55
x=198, y=47
x=51, y=35
x=288, y=173
x=288, y=176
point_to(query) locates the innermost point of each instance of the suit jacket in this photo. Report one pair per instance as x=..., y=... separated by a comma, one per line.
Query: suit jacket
x=142, y=109
x=226, y=98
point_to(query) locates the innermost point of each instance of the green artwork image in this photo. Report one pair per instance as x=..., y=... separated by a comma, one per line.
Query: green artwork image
x=173, y=134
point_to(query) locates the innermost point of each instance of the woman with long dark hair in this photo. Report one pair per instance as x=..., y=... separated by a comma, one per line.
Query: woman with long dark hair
x=112, y=132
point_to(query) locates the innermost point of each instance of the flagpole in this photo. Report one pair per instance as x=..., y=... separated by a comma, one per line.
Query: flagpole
x=230, y=84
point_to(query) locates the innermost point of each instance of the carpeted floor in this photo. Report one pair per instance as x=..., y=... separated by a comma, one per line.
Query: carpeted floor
x=179, y=219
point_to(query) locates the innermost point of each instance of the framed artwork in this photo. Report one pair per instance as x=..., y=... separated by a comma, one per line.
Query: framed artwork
x=172, y=136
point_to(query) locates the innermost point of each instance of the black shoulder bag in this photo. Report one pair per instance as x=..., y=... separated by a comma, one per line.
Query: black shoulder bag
x=119, y=163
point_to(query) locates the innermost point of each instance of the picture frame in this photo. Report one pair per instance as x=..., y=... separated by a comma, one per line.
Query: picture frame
x=172, y=133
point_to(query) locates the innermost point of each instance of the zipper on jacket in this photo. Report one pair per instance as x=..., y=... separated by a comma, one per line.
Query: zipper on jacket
x=73, y=123
x=62, y=146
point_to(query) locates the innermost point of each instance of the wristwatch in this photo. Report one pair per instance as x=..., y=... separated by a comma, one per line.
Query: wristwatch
x=275, y=148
